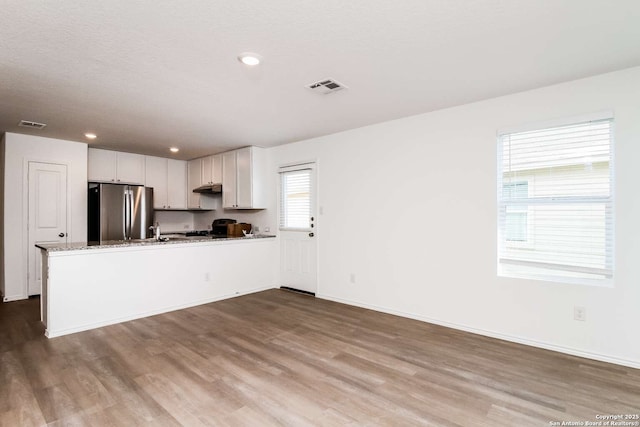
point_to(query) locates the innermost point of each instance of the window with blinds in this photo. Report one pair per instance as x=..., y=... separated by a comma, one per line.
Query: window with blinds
x=295, y=199
x=555, y=203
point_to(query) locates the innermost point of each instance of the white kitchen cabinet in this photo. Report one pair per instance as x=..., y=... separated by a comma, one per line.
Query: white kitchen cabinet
x=194, y=180
x=243, y=178
x=156, y=177
x=176, y=184
x=212, y=169
x=129, y=168
x=115, y=166
x=101, y=165
x=168, y=177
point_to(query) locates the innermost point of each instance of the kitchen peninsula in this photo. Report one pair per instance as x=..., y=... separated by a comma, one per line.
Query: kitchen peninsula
x=89, y=286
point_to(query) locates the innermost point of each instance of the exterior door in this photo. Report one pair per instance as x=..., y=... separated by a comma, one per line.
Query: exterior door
x=47, y=215
x=298, y=228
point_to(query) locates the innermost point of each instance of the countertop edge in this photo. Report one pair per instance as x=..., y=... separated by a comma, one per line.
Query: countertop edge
x=83, y=246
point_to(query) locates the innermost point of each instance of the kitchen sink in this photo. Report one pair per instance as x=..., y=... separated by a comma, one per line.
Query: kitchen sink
x=151, y=239
x=164, y=238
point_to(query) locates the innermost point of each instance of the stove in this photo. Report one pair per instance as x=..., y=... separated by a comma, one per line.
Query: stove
x=197, y=233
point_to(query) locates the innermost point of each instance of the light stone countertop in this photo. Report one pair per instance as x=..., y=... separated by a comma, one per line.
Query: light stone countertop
x=76, y=246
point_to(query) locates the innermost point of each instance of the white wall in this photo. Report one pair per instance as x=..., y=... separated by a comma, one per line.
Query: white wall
x=410, y=209
x=19, y=150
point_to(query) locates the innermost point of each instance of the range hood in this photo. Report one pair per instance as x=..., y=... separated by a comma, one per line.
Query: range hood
x=209, y=189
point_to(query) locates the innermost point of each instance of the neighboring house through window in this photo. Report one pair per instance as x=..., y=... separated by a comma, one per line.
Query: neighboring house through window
x=516, y=220
x=555, y=203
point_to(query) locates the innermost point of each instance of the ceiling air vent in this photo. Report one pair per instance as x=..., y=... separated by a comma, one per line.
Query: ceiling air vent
x=30, y=124
x=326, y=86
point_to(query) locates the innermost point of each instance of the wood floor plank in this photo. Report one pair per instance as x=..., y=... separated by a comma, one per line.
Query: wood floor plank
x=277, y=358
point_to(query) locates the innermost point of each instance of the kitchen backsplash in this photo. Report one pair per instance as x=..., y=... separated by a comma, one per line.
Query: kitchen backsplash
x=203, y=220
x=175, y=221
x=181, y=221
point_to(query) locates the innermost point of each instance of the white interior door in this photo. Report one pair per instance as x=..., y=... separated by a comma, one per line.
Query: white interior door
x=298, y=228
x=47, y=215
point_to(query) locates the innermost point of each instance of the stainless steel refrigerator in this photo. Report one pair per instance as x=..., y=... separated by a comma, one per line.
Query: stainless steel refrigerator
x=119, y=212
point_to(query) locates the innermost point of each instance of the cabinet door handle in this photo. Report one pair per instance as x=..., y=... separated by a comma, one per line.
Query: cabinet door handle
x=311, y=234
x=61, y=235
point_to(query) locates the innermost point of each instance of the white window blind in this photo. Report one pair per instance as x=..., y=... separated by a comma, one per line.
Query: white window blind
x=295, y=199
x=555, y=203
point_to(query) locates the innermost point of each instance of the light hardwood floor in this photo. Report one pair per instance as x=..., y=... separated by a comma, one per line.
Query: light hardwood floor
x=279, y=358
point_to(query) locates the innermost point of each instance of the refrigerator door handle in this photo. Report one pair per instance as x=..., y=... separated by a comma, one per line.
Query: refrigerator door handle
x=125, y=207
x=130, y=235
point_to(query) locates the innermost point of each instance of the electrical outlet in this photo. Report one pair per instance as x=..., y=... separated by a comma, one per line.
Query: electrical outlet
x=352, y=278
x=207, y=277
x=256, y=229
x=267, y=229
x=579, y=313
x=186, y=227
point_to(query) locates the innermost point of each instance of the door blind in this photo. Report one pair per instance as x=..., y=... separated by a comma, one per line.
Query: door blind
x=295, y=199
x=555, y=203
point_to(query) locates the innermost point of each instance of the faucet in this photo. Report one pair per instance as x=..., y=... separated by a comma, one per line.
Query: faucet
x=155, y=230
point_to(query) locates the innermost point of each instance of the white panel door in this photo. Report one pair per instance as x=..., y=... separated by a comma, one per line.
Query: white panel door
x=47, y=215
x=298, y=228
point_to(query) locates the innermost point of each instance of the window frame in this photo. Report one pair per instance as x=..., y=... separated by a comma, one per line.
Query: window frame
x=608, y=203
x=283, y=171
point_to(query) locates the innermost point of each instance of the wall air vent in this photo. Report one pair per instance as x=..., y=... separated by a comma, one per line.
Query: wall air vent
x=326, y=86
x=30, y=124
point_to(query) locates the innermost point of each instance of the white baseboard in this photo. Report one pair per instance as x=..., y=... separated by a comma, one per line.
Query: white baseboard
x=512, y=338
x=86, y=327
x=14, y=298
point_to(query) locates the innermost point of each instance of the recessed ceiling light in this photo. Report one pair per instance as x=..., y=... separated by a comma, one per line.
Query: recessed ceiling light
x=248, y=58
x=91, y=135
x=174, y=149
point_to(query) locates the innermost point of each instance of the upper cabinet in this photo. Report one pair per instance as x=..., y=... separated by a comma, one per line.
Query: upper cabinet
x=168, y=177
x=243, y=178
x=212, y=169
x=194, y=180
x=115, y=166
x=176, y=184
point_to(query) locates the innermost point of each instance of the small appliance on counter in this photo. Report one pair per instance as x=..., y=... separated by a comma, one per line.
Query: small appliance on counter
x=238, y=230
x=197, y=233
x=219, y=226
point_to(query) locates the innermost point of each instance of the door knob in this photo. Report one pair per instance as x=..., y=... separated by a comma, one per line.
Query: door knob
x=61, y=235
x=311, y=234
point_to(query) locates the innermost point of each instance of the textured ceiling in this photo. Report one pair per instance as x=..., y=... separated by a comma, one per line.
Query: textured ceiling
x=146, y=75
